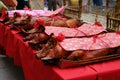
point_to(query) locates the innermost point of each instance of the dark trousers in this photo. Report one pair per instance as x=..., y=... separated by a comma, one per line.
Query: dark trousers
x=97, y=2
x=52, y=5
x=22, y=4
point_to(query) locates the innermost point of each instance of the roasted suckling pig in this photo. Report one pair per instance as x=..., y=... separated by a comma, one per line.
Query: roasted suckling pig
x=21, y=22
x=37, y=37
x=71, y=23
x=12, y=19
x=35, y=33
x=84, y=55
x=51, y=50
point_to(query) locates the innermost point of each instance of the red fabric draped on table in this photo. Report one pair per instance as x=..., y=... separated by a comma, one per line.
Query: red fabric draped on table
x=36, y=70
x=108, y=70
x=33, y=68
x=2, y=32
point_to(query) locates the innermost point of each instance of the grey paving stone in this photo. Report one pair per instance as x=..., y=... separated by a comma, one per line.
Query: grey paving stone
x=90, y=18
x=8, y=71
x=11, y=74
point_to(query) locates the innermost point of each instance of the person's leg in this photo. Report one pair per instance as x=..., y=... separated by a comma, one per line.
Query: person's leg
x=94, y=2
x=49, y=5
x=100, y=2
x=54, y=5
x=20, y=7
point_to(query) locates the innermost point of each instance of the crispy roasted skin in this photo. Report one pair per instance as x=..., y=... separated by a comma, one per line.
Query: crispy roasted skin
x=84, y=55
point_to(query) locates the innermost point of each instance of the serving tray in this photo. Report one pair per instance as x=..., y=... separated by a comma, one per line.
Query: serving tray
x=63, y=63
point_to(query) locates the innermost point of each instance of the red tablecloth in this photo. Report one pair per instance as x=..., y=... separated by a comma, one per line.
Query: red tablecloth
x=2, y=32
x=108, y=70
x=36, y=70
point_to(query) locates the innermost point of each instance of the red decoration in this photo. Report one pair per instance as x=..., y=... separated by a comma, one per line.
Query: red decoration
x=60, y=37
x=38, y=22
x=3, y=14
x=73, y=26
x=118, y=32
x=98, y=24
